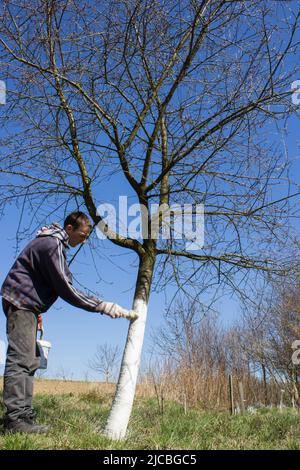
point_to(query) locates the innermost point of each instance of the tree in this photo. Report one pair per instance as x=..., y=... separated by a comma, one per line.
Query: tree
x=191, y=337
x=183, y=100
x=104, y=360
x=269, y=333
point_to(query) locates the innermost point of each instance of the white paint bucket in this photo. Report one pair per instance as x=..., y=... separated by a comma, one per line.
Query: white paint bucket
x=44, y=348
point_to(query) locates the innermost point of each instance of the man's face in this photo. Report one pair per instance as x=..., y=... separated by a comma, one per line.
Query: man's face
x=78, y=235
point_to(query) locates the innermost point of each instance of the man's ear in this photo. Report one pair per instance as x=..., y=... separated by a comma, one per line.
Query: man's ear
x=68, y=228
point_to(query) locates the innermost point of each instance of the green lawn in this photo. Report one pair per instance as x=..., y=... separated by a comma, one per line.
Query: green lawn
x=77, y=420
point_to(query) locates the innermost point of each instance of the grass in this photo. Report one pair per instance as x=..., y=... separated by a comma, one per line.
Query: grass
x=77, y=420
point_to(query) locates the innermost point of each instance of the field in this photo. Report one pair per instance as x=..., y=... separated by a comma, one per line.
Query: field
x=77, y=412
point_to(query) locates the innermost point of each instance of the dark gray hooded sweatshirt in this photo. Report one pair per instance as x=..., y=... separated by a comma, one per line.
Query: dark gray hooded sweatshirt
x=40, y=275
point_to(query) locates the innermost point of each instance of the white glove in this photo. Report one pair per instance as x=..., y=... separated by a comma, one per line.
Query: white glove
x=132, y=315
x=115, y=310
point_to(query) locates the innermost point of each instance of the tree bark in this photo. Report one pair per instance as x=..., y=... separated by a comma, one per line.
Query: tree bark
x=118, y=419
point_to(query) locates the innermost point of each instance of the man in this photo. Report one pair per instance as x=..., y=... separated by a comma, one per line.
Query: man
x=38, y=277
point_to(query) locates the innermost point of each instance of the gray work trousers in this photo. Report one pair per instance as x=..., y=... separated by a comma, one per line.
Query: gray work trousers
x=22, y=360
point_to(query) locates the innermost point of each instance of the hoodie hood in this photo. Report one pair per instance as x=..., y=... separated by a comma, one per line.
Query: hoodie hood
x=54, y=230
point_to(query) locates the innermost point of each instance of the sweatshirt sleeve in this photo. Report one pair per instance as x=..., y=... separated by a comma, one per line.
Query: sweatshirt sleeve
x=57, y=272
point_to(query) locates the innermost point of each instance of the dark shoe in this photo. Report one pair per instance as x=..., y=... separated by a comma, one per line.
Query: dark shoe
x=20, y=425
x=30, y=417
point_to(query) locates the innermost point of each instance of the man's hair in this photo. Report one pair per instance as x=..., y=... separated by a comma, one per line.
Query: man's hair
x=76, y=219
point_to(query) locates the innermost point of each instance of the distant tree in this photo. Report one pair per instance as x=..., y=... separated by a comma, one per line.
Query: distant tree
x=191, y=336
x=105, y=360
x=269, y=333
x=64, y=374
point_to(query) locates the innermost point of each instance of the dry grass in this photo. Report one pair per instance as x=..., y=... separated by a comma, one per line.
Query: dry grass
x=187, y=387
x=64, y=387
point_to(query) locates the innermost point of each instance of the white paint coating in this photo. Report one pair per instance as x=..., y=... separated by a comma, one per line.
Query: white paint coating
x=118, y=419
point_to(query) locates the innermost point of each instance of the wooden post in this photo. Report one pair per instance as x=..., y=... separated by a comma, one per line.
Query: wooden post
x=162, y=402
x=265, y=384
x=184, y=403
x=231, y=403
x=281, y=400
x=242, y=401
x=296, y=394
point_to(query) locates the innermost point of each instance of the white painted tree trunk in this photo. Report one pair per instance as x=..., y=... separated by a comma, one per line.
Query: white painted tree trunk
x=118, y=419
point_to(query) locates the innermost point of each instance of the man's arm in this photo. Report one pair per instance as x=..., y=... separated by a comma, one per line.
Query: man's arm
x=56, y=270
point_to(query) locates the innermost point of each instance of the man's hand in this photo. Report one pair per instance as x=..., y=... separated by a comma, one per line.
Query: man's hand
x=116, y=311
x=132, y=315
x=40, y=324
